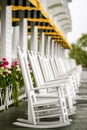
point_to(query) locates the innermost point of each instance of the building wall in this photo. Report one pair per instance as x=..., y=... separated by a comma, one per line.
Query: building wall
x=53, y=7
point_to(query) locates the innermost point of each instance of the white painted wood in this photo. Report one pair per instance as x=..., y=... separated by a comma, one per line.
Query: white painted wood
x=6, y=31
x=45, y=105
x=59, y=53
x=62, y=52
x=55, y=49
x=66, y=22
x=44, y=4
x=2, y=105
x=48, y=40
x=0, y=38
x=54, y=3
x=24, y=123
x=42, y=70
x=63, y=16
x=58, y=10
x=31, y=114
x=42, y=42
x=23, y=31
x=34, y=38
x=52, y=47
x=15, y=41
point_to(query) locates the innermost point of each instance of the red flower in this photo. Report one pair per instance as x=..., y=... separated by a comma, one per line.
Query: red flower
x=16, y=62
x=6, y=62
x=3, y=65
x=4, y=59
x=12, y=66
x=29, y=65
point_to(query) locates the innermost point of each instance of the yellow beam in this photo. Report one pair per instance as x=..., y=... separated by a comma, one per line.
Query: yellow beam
x=58, y=40
x=38, y=20
x=50, y=33
x=56, y=36
x=15, y=8
x=15, y=19
x=32, y=19
x=29, y=27
x=43, y=27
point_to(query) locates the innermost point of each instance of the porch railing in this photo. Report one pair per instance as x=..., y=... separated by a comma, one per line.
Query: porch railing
x=8, y=100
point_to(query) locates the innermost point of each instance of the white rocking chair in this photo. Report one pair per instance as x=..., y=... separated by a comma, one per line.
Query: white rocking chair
x=33, y=58
x=54, y=110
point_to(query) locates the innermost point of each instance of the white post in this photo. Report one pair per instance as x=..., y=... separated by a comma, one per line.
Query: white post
x=42, y=42
x=15, y=41
x=55, y=48
x=23, y=31
x=52, y=47
x=6, y=31
x=34, y=38
x=62, y=51
x=0, y=39
x=48, y=40
x=59, y=51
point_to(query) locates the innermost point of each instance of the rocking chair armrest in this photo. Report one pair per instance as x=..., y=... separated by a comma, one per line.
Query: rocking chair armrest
x=47, y=87
x=59, y=79
x=54, y=83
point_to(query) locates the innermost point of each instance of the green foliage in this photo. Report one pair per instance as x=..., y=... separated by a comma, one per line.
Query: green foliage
x=82, y=41
x=79, y=52
x=10, y=77
x=16, y=80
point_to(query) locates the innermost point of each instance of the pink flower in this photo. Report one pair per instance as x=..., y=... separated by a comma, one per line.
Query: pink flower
x=16, y=62
x=6, y=62
x=12, y=66
x=3, y=65
x=4, y=59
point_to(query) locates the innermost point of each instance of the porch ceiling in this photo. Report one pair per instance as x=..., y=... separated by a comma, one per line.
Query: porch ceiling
x=33, y=11
x=63, y=16
x=53, y=3
x=58, y=10
x=65, y=21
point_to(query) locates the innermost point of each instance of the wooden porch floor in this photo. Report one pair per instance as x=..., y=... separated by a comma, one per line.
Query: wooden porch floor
x=9, y=116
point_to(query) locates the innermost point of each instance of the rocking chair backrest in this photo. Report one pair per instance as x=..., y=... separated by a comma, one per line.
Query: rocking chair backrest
x=46, y=68
x=27, y=80
x=36, y=70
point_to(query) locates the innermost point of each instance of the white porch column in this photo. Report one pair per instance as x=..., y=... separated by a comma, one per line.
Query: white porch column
x=62, y=52
x=52, y=47
x=0, y=38
x=59, y=51
x=6, y=31
x=48, y=40
x=15, y=41
x=23, y=31
x=55, y=48
x=34, y=38
x=42, y=42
